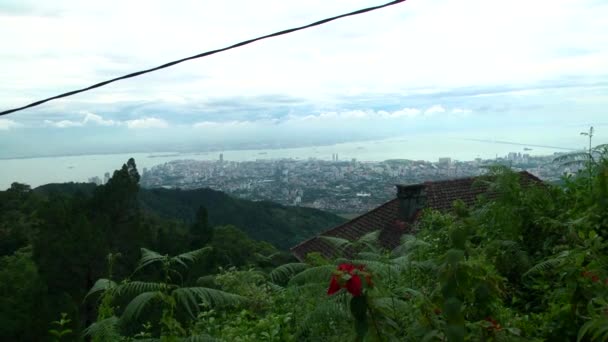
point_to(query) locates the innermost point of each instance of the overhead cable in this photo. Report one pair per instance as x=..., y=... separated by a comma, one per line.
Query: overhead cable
x=204, y=54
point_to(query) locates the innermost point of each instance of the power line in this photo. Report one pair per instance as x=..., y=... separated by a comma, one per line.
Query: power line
x=204, y=54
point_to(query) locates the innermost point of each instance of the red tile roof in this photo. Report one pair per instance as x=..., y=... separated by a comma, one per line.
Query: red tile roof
x=440, y=195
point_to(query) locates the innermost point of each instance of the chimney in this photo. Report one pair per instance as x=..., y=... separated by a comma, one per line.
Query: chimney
x=411, y=199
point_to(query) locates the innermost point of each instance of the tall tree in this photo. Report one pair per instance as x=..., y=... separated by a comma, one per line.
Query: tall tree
x=201, y=232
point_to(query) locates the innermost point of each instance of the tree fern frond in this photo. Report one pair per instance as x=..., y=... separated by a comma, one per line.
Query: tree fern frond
x=548, y=264
x=308, y=289
x=377, y=267
x=318, y=274
x=100, y=286
x=190, y=257
x=598, y=327
x=149, y=257
x=207, y=281
x=391, y=304
x=339, y=244
x=137, y=304
x=370, y=256
x=426, y=266
x=573, y=163
x=327, y=311
x=369, y=240
x=191, y=298
x=104, y=330
x=283, y=273
x=133, y=288
x=276, y=288
x=408, y=245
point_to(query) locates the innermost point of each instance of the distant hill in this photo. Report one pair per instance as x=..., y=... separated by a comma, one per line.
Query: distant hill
x=280, y=225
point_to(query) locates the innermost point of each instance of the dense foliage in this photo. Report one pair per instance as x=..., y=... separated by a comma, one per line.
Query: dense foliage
x=279, y=225
x=529, y=264
x=55, y=242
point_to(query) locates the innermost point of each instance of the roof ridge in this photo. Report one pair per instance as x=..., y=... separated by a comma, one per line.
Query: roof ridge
x=524, y=172
x=345, y=223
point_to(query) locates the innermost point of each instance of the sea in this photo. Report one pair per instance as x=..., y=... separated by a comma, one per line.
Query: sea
x=79, y=168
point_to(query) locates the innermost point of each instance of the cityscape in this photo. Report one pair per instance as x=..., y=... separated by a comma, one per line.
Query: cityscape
x=347, y=188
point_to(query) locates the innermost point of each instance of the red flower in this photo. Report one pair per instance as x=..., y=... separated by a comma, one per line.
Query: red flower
x=353, y=283
x=334, y=286
x=346, y=268
x=595, y=278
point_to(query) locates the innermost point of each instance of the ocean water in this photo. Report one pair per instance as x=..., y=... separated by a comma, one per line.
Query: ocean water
x=39, y=171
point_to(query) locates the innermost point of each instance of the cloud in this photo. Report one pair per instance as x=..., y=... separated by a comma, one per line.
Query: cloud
x=147, y=123
x=92, y=119
x=97, y=119
x=434, y=110
x=405, y=112
x=461, y=111
x=6, y=124
x=88, y=119
x=64, y=123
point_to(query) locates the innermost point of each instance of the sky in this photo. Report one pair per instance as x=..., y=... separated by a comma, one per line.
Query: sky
x=522, y=71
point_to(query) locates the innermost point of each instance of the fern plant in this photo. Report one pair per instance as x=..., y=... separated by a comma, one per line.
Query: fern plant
x=167, y=295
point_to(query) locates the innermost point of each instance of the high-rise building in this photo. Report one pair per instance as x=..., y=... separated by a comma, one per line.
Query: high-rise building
x=221, y=157
x=96, y=180
x=445, y=162
x=106, y=178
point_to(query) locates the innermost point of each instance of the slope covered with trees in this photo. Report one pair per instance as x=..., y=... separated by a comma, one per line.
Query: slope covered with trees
x=279, y=225
x=56, y=241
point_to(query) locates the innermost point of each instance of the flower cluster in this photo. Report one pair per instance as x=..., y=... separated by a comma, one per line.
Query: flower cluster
x=594, y=277
x=494, y=325
x=348, y=276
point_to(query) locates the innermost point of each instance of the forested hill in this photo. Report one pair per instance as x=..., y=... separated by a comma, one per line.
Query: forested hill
x=277, y=224
x=280, y=225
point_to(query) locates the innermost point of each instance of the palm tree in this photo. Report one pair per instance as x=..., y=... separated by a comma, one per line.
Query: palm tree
x=589, y=159
x=168, y=295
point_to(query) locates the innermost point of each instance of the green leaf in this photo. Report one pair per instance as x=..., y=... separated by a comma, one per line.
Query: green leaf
x=137, y=304
x=319, y=274
x=104, y=330
x=149, y=257
x=133, y=288
x=100, y=286
x=190, y=298
x=190, y=257
x=283, y=273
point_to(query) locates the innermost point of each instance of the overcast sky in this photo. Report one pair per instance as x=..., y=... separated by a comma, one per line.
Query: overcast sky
x=519, y=69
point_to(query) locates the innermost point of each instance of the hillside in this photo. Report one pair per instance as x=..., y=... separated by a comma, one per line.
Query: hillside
x=280, y=225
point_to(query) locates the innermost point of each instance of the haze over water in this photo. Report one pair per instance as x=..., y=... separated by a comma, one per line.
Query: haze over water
x=43, y=170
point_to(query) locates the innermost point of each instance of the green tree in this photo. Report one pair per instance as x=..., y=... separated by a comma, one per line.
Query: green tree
x=23, y=312
x=201, y=231
x=176, y=304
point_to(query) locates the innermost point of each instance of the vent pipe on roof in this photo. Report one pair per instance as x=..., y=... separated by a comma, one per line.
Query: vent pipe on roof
x=411, y=199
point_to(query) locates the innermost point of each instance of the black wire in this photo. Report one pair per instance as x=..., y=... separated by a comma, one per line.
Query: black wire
x=204, y=54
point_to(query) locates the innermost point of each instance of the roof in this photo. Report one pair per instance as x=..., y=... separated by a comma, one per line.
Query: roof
x=439, y=195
